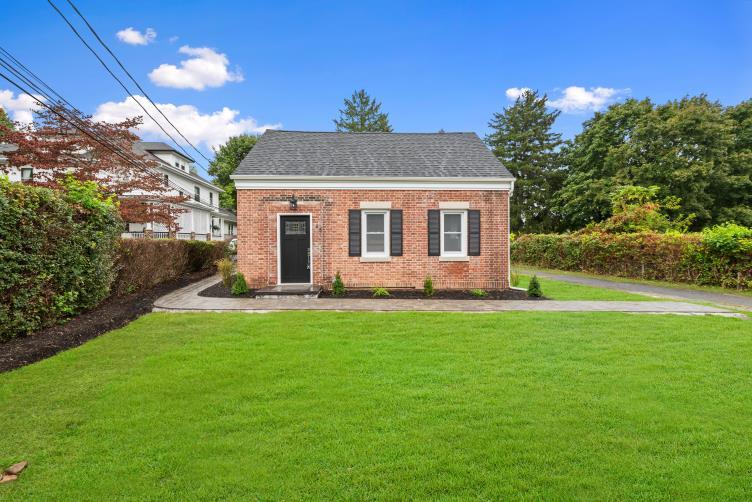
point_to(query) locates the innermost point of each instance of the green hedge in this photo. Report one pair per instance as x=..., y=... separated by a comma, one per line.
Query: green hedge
x=57, y=253
x=721, y=256
x=144, y=263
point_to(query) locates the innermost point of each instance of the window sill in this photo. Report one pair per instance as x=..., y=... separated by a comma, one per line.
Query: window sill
x=375, y=259
x=454, y=258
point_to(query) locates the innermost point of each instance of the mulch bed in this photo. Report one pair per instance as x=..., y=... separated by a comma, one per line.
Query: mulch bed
x=113, y=313
x=219, y=291
x=439, y=294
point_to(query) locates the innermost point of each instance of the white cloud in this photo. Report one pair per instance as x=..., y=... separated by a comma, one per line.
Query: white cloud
x=207, y=68
x=211, y=129
x=578, y=99
x=21, y=108
x=132, y=36
x=516, y=92
x=174, y=39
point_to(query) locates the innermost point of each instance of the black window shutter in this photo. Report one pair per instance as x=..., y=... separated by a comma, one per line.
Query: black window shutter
x=353, y=220
x=473, y=233
x=395, y=237
x=434, y=227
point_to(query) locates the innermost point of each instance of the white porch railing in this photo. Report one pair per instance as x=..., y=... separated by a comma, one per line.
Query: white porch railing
x=185, y=236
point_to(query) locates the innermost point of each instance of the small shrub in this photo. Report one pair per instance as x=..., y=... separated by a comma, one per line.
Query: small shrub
x=428, y=286
x=239, y=287
x=338, y=287
x=478, y=293
x=225, y=266
x=380, y=292
x=515, y=279
x=534, y=288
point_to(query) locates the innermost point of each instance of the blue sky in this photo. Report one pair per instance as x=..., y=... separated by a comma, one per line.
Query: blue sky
x=432, y=64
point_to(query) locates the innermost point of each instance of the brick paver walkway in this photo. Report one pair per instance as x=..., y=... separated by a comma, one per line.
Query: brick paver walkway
x=187, y=300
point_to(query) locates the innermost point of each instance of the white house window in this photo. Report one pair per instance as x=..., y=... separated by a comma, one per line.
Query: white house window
x=454, y=233
x=27, y=174
x=166, y=180
x=197, y=194
x=211, y=198
x=375, y=234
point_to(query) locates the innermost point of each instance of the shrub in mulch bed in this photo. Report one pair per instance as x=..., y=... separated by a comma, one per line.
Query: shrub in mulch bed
x=113, y=313
x=219, y=290
x=438, y=294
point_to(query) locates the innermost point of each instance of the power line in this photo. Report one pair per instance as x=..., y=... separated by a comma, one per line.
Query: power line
x=107, y=48
x=76, y=121
x=112, y=74
x=38, y=85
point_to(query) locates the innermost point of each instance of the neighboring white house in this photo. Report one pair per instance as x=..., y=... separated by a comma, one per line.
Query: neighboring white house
x=202, y=219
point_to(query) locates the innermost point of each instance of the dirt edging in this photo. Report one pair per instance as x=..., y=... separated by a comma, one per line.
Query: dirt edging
x=114, y=312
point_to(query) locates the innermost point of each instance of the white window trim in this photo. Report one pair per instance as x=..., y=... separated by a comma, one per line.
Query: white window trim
x=29, y=170
x=462, y=253
x=364, y=230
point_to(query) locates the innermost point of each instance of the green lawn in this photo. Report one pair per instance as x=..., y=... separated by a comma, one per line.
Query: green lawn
x=559, y=290
x=390, y=405
x=663, y=284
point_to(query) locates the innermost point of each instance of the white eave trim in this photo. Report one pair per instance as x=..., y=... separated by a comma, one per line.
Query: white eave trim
x=251, y=182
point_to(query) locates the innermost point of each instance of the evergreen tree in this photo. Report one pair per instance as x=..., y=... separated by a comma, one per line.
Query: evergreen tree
x=226, y=160
x=362, y=114
x=522, y=140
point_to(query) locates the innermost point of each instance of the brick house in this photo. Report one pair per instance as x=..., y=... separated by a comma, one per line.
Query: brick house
x=383, y=209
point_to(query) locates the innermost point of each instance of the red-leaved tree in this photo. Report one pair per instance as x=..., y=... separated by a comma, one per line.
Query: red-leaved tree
x=56, y=149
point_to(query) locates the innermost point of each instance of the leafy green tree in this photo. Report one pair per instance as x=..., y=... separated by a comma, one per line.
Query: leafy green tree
x=732, y=187
x=693, y=149
x=5, y=122
x=226, y=160
x=523, y=141
x=362, y=114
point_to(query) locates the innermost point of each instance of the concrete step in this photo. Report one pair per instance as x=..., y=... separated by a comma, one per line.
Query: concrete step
x=289, y=291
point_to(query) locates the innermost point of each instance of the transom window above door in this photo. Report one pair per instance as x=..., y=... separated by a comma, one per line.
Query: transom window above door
x=375, y=226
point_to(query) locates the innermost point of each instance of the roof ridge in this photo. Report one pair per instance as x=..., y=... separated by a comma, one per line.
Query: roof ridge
x=368, y=132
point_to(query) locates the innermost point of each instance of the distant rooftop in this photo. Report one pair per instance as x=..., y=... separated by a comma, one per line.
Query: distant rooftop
x=159, y=146
x=440, y=155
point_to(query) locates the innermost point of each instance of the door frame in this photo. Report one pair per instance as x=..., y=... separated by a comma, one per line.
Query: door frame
x=279, y=248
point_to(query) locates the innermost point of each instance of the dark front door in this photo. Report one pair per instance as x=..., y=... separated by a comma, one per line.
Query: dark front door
x=295, y=240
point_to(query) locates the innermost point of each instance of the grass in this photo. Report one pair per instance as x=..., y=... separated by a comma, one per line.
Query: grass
x=388, y=405
x=663, y=284
x=559, y=290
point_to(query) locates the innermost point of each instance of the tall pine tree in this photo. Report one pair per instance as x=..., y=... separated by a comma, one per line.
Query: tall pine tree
x=362, y=114
x=522, y=140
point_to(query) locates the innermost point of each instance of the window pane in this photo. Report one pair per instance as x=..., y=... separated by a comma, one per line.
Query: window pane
x=295, y=228
x=375, y=243
x=374, y=222
x=452, y=223
x=452, y=243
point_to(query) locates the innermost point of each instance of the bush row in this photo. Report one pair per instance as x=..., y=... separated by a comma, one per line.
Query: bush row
x=144, y=263
x=57, y=253
x=721, y=256
x=60, y=254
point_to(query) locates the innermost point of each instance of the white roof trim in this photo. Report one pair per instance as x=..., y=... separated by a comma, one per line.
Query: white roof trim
x=254, y=182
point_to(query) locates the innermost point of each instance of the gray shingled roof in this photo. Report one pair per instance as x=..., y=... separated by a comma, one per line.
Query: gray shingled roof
x=445, y=155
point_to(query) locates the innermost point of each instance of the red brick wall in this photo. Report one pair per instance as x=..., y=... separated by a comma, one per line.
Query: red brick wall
x=257, y=238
